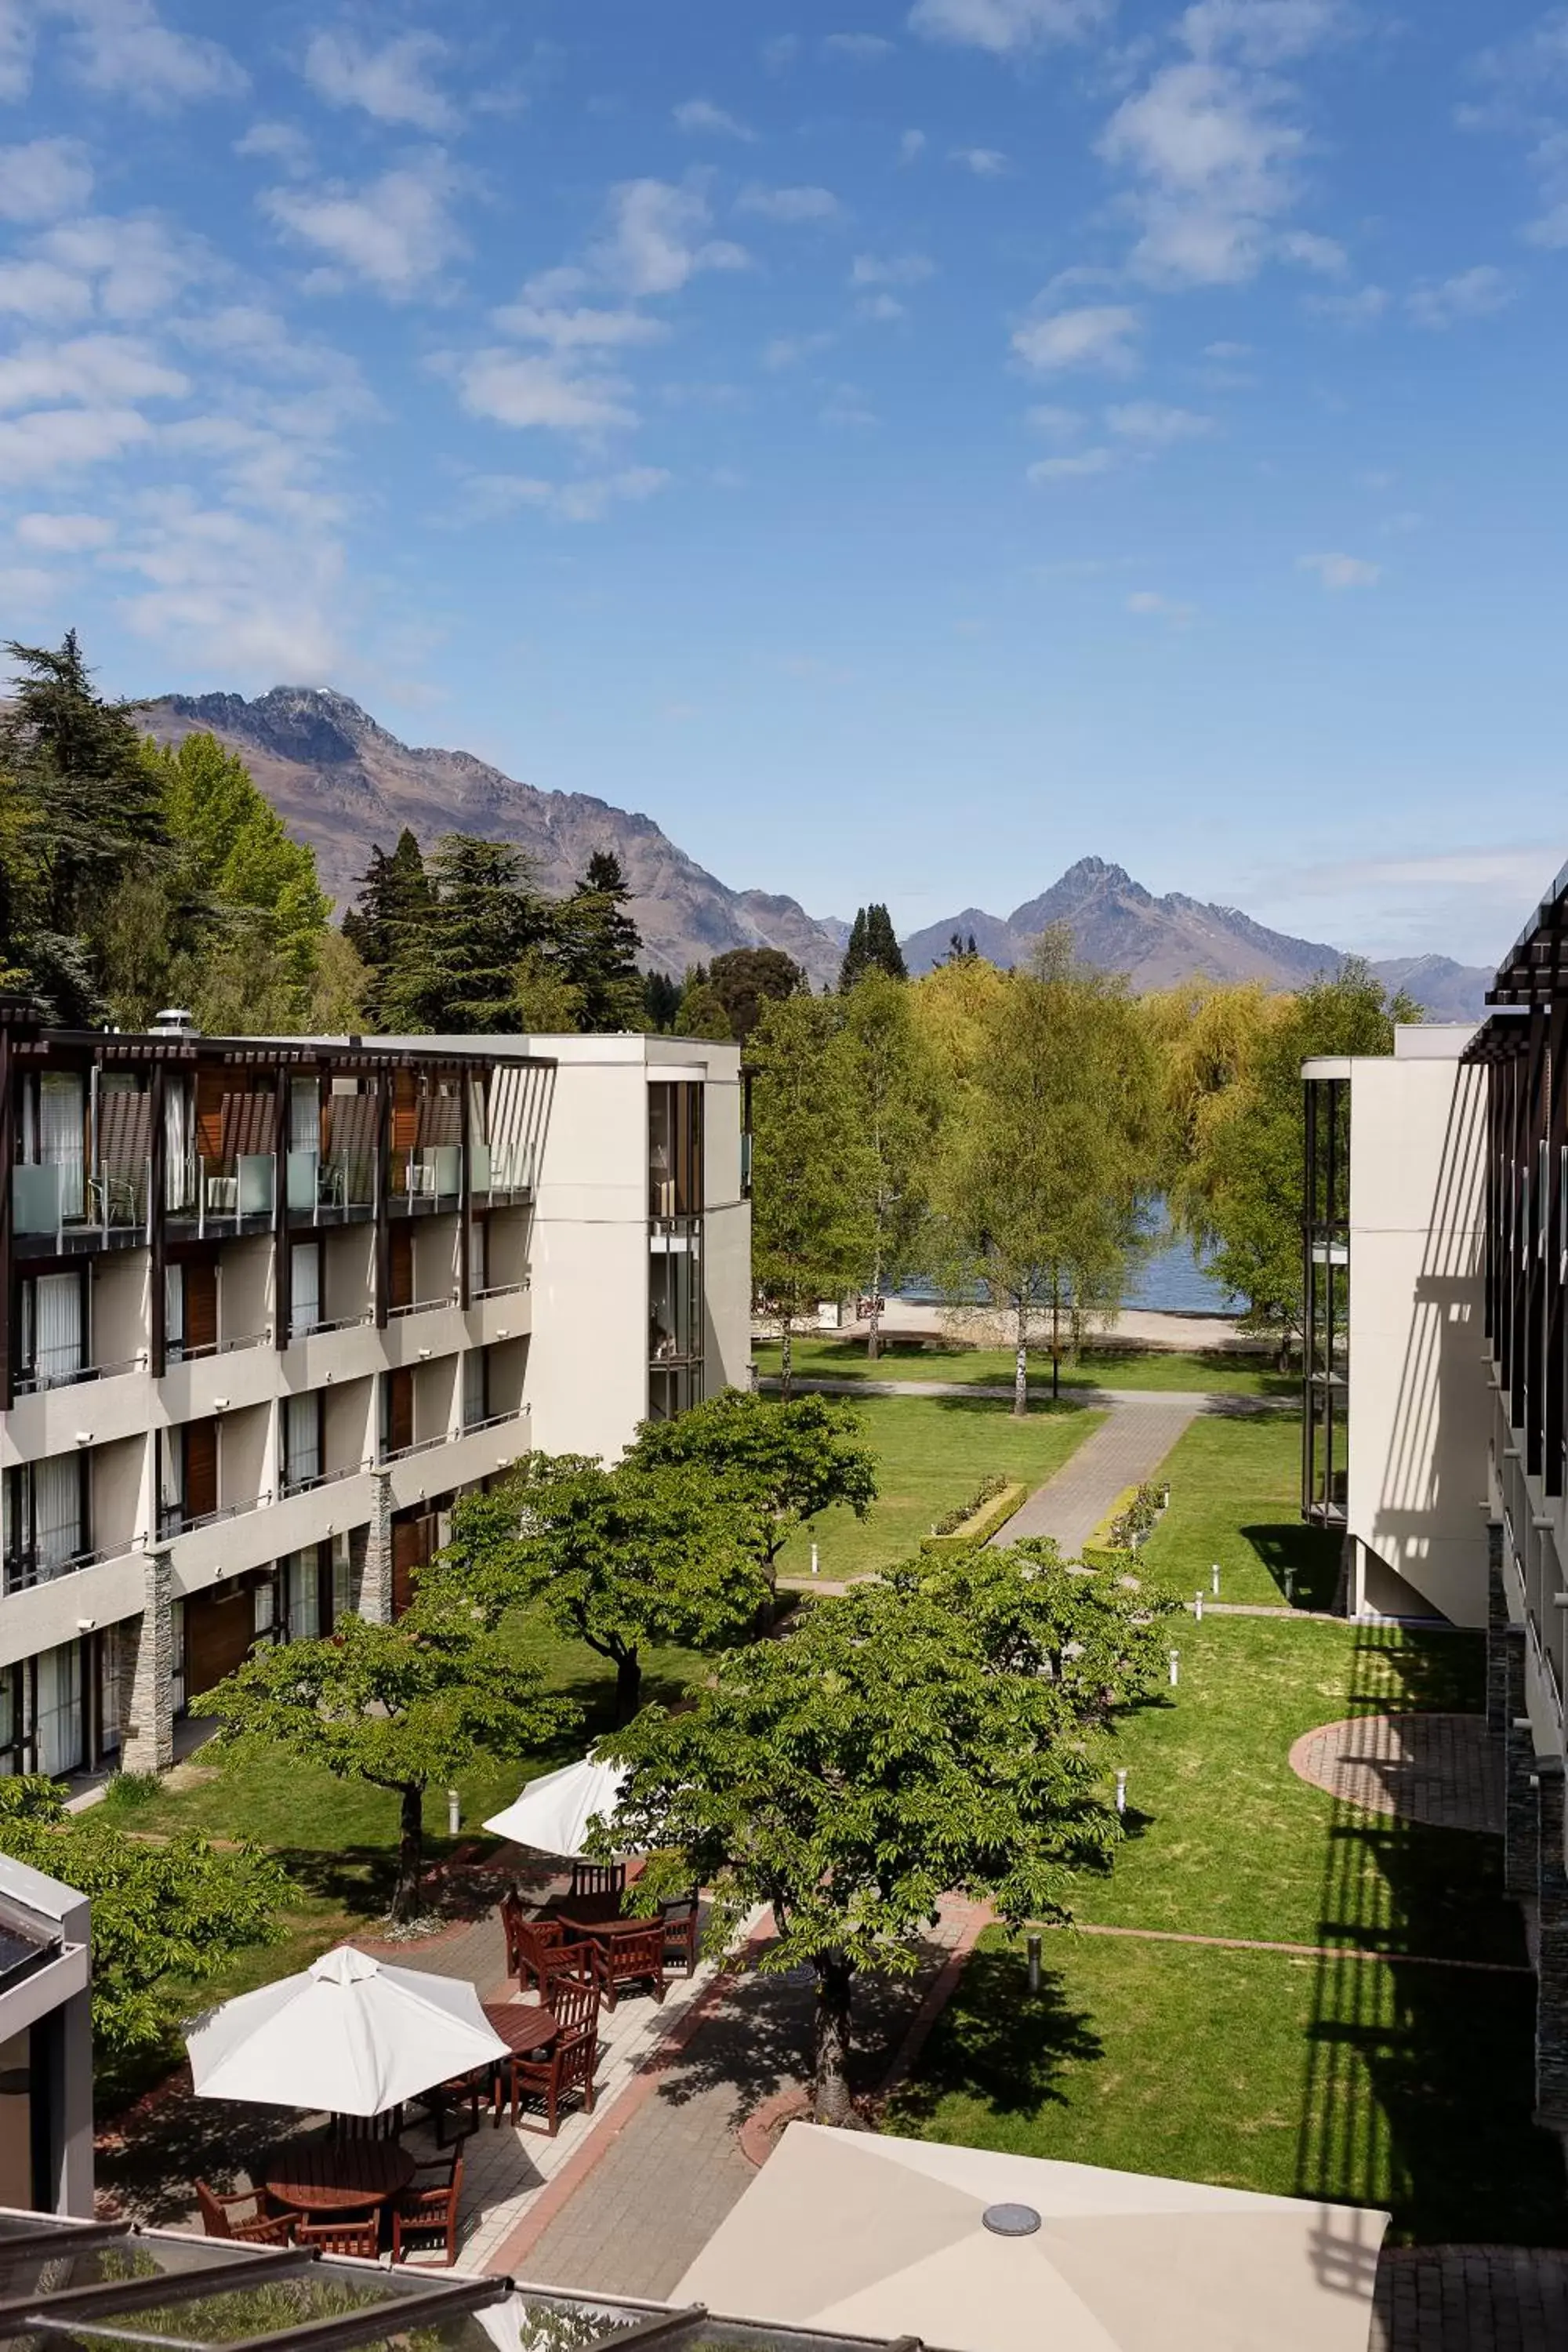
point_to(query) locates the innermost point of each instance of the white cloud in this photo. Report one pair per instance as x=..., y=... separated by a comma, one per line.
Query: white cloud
x=862, y=48
x=1100, y=335
x=792, y=205
x=657, y=239
x=140, y=266
x=1342, y=571
x=1473, y=294
x=1227, y=351
x=64, y=534
x=1066, y=470
x=278, y=142
x=699, y=116
x=1357, y=310
x=1061, y=423
x=15, y=48
x=123, y=48
x=1212, y=155
x=985, y=162
x=1157, y=428
x=1006, y=26
x=1323, y=254
x=789, y=351
x=395, y=83
x=901, y=269
x=1261, y=32
x=99, y=371
x=912, y=146
x=1149, y=604
x=43, y=179
x=396, y=233
x=586, y=499
x=531, y=393
x=849, y=410
x=24, y=588
x=63, y=440
x=44, y=294
x=884, y=308
x=580, y=330
x=233, y=587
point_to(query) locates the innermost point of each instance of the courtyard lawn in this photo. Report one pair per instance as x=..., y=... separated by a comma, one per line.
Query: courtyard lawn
x=1104, y=1368
x=932, y=1454
x=1235, y=1499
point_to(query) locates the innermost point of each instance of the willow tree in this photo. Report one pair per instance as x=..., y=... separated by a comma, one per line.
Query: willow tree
x=1047, y=1177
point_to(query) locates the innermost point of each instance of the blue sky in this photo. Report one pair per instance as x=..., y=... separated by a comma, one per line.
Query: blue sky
x=902, y=446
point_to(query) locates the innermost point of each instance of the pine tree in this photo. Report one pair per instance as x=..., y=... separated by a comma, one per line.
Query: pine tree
x=385, y=923
x=597, y=947
x=455, y=973
x=661, y=1002
x=873, y=946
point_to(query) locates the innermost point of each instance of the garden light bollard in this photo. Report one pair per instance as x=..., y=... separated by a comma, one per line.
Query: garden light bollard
x=1032, y=1947
x=454, y=1812
x=1175, y=1668
x=1213, y=1578
x=1122, y=1788
x=1198, y=1605
x=814, y=1568
x=1290, y=1586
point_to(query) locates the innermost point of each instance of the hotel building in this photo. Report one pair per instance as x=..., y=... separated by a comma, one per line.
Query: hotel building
x=271, y=1304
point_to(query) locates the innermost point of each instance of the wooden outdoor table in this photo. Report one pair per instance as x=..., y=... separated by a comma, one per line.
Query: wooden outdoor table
x=521, y=2027
x=339, y=2176
x=596, y=1914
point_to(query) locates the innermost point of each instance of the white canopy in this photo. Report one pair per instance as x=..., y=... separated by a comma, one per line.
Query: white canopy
x=879, y=2237
x=553, y=1813
x=348, y=2035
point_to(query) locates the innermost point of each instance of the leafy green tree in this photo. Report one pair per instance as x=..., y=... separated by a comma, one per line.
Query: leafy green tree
x=1046, y=1175
x=596, y=947
x=399, y=1706
x=793, y=1459
x=812, y=1233
x=897, y=1096
x=700, y=1012
x=162, y=1914
x=747, y=980
x=455, y=972
x=902, y=1743
x=385, y=923
x=1245, y=1191
x=617, y=1558
x=873, y=946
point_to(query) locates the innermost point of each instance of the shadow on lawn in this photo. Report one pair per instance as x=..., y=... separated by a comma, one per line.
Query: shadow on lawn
x=1419, y=2081
x=1003, y=2047
x=1308, y=1555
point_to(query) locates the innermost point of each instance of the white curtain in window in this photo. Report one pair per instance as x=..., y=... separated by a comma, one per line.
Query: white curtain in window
x=304, y=1597
x=474, y=1384
x=342, y=1579
x=57, y=1509
x=304, y=1115
x=265, y=1604
x=305, y=1284
x=62, y=1106
x=59, y=1709
x=302, y=1439
x=179, y=1168
x=175, y=1305
x=58, y=1325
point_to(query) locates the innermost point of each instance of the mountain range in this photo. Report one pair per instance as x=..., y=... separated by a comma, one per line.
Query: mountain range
x=343, y=783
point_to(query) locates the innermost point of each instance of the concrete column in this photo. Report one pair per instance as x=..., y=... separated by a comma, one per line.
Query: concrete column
x=1552, y=1992
x=1521, y=1829
x=370, y=1555
x=147, y=1737
x=1496, y=1633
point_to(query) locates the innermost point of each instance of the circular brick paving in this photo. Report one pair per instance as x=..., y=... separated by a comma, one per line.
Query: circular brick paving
x=1436, y=1769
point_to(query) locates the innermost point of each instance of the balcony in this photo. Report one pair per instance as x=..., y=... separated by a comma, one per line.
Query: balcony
x=39, y=1383
x=427, y=1181
x=61, y=1207
x=339, y=1188
x=221, y=1197
x=438, y=1465
x=25, y=1569
x=501, y=1176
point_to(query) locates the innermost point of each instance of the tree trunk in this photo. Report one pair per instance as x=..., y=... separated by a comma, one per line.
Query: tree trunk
x=628, y=1687
x=830, y=2072
x=1056, y=1347
x=874, y=1336
x=410, y=1853
x=1021, y=1362
x=786, y=1360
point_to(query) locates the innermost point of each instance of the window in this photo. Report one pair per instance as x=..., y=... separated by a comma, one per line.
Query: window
x=304, y=1115
x=175, y=1309
x=342, y=1578
x=478, y=1256
x=476, y=1387
x=302, y=1441
x=177, y=1655
x=62, y=1135
x=302, y=1586
x=304, y=1287
x=115, y=1665
x=59, y=1724
x=264, y=1603
x=14, y=1723
x=53, y=1325
x=675, y=1150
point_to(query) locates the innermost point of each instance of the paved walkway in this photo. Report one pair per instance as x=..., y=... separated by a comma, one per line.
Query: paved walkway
x=1126, y=1449
x=1470, y=2299
x=1437, y=1769
x=1220, y=1401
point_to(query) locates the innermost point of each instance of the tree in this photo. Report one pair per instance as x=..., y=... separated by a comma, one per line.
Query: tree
x=617, y=1558
x=1046, y=1178
x=747, y=980
x=793, y=1458
x=700, y=1012
x=873, y=947
x=897, y=1099
x=661, y=1002
x=399, y=1706
x=903, y=1742
x=455, y=973
x=162, y=1914
x=384, y=924
x=546, y=1002
x=1244, y=1191
x=811, y=1229
x=961, y=950
x=596, y=948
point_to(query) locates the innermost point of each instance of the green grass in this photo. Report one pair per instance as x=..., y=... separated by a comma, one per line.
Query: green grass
x=1409, y=2088
x=1105, y=1367
x=1235, y=1499
x=932, y=1455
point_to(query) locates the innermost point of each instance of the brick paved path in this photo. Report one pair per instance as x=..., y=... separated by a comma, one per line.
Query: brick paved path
x=1128, y=1448
x=1203, y=1400
x=1437, y=1769
x=1470, y=2299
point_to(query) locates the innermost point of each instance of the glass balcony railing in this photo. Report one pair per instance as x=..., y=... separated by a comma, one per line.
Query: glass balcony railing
x=333, y=1186
x=434, y=1173
x=499, y=1171
x=221, y=1195
x=74, y=1202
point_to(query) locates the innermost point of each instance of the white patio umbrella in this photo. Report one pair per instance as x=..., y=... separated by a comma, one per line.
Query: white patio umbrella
x=553, y=1813
x=987, y=2252
x=348, y=2035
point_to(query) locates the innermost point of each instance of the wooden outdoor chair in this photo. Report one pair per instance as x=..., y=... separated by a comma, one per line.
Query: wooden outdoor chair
x=345, y=2233
x=682, y=1926
x=566, y=2072
x=386, y=2125
x=459, y=2092
x=248, y=2216
x=629, y=1959
x=598, y=1878
x=425, y=2218
x=528, y=1942
x=572, y=1997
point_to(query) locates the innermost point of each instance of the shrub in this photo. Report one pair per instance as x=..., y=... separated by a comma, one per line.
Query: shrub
x=984, y=1494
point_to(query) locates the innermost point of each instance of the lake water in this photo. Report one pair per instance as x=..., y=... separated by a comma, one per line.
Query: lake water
x=1172, y=1280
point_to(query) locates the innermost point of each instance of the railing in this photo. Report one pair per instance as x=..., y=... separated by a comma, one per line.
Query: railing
x=503, y=1289
x=172, y=1521
x=25, y=1570
x=339, y=1323
x=423, y=1306
x=315, y=1186
x=179, y=1353
x=432, y=1174
x=72, y=1201
x=221, y=1194
x=35, y=1383
x=493, y=1421
x=495, y=1174
x=419, y=1446
x=288, y=1486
